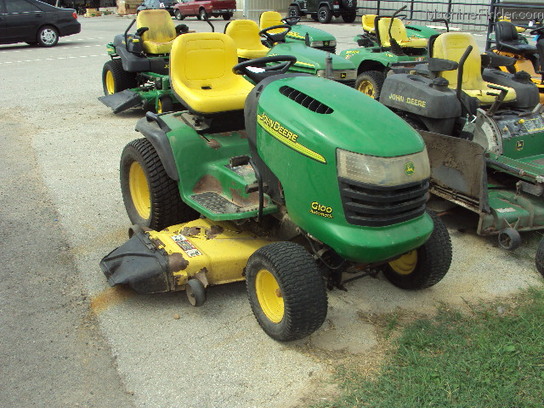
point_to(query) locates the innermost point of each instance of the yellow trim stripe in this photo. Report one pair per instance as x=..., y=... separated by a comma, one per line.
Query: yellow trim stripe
x=288, y=141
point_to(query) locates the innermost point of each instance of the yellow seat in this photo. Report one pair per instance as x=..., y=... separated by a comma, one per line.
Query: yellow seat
x=161, y=31
x=245, y=34
x=367, y=20
x=398, y=32
x=269, y=19
x=451, y=46
x=201, y=73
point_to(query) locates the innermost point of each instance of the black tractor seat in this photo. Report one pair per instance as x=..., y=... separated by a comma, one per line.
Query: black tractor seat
x=508, y=40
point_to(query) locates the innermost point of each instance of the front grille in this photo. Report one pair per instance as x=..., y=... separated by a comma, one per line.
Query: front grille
x=305, y=100
x=328, y=48
x=377, y=206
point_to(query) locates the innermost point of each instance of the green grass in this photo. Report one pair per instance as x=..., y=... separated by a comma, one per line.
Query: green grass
x=492, y=357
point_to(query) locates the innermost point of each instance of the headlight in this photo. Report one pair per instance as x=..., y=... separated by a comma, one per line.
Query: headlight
x=383, y=171
x=315, y=44
x=339, y=75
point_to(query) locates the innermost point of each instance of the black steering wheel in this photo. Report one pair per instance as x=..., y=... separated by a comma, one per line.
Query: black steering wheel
x=257, y=69
x=292, y=20
x=278, y=37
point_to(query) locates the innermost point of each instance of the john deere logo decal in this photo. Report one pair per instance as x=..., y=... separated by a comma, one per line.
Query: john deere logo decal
x=519, y=145
x=409, y=168
x=287, y=137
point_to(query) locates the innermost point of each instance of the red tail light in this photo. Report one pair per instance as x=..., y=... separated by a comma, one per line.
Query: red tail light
x=74, y=14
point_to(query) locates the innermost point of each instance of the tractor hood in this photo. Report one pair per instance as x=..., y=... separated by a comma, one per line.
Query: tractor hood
x=298, y=32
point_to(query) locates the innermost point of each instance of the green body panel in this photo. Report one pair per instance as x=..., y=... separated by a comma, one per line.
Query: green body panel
x=203, y=167
x=308, y=182
x=360, y=56
x=509, y=209
x=525, y=146
x=420, y=31
x=309, y=60
x=298, y=33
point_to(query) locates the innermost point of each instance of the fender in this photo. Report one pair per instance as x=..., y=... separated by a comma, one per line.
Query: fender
x=154, y=129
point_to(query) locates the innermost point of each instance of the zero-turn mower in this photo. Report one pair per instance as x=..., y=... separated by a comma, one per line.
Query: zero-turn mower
x=384, y=43
x=284, y=184
x=528, y=58
x=485, y=139
x=137, y=73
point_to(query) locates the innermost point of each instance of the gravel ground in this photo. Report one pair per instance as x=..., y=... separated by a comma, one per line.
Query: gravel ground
x=161, y=351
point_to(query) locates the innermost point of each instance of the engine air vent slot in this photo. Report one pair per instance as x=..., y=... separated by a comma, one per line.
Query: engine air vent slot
x=305, y=100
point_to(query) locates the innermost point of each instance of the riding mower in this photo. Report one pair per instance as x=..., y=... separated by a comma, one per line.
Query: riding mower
x=247, y=37
x=314, y=37
x=285, y=184
x=137, y=73
x=527, y=57
x=485, y=140
x=384, y=44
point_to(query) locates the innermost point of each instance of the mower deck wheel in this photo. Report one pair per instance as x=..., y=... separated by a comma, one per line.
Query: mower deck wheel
x=424, y=266
x=509, y=239
x=370, y=83
x=196, y=293
x=286, y=291
x=151, y=197
x=115, y=78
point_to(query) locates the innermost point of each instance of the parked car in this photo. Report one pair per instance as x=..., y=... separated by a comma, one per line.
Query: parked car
x=156, y=4
x=35, y=22
x=199, y=8
x=324, y=10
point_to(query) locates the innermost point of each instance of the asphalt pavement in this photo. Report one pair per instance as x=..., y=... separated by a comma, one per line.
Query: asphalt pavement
x=69, y=340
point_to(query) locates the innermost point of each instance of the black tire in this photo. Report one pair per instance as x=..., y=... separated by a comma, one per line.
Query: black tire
x=293, y=11
x=539, y=258
x=227, y=16
x=151, y=197
x=115, y=78
x=509, y=239
x=370, y=83
x=324, y=15
x=47, y=36
x=164, y=104
x=178, y=15
x=348, y=17
x=202, y=14
x=285, y=270
x=432, y=261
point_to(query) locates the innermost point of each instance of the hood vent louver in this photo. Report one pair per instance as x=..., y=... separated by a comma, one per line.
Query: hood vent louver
x=307, y=101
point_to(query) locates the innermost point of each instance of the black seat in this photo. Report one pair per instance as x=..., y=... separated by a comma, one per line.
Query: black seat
x=508, y=40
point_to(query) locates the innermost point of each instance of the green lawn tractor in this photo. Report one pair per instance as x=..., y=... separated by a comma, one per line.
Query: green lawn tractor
x=137, y=73
x=314, y=37
x=485, y=140
x=284, y=184
x=309, y=60
x=385, y=42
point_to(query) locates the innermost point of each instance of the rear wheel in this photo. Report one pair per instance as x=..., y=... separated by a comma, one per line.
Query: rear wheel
x=115, y=78
x=47, y=36
x=202, y=14
x=370, y=83
x=293, y=11
x=324, y=15
x=425, y=266
x=178, y=15
x=286, y=291
x=227, y=16
x=164, y=104
x=348, y=17
x=151, y=197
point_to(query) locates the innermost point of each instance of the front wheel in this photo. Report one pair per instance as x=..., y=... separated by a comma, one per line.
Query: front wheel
x=348, y=17
x=324, y=15
x=178, y=15
x=293, y=11
x=151, y=198
x=227, y=16
x=202, y=14
x=370, y=83
x=47, y=36
x=425, y=266
x=286, y=291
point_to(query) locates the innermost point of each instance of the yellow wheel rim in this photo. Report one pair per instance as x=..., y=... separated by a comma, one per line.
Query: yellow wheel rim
x=110, y=83
x=367, y=88
x=406, y=264
x=139, y=190
x=269, y=296
x=159, y=106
